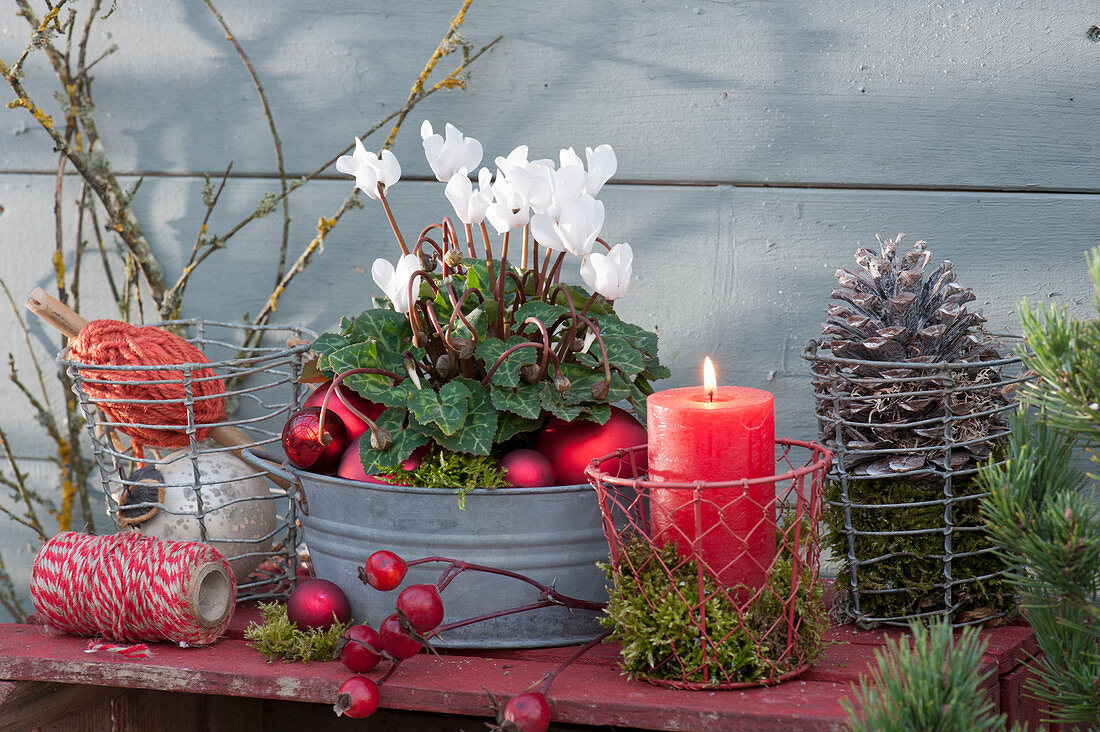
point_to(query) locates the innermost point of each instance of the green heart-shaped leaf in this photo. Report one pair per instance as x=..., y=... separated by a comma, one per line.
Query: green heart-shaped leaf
x=446, y=408
x=525, y=400
x=405, y=441
x=507, y=374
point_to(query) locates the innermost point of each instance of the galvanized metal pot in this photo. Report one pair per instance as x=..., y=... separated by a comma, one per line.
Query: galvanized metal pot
x=552, y=534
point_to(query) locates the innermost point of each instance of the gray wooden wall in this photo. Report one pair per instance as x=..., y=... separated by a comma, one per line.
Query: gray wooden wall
x=759, y=144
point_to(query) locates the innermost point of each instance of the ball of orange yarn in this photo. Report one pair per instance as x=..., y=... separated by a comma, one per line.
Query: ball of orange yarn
x=141, y=407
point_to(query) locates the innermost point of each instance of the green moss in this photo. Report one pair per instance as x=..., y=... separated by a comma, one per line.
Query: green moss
x=279, y=639
x=456, y=471
x=914, y=563
x=657, y=623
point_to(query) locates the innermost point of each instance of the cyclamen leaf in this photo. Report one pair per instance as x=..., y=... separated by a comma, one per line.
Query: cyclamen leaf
x=475, y=437
x=509, y=425
x=611, y=327
x=388, y=327
x=405, y=441
x=544, y=311
x=553, y=403
x=379, y=389
x=366, y=355
x=638, y=401
x=523, y=401
x=445, y=408
x=490, y=349
x=598, y=413
x=622, y=355
x=325, y=344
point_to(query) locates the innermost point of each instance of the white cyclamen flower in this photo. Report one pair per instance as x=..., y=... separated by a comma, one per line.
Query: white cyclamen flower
x=509, y=210
x=609, y=274
x=576, y=228
x=369, y=169
x=470, y=205
x=602, y=164
x=563, y=184
x=447, y=156
x=395, y=283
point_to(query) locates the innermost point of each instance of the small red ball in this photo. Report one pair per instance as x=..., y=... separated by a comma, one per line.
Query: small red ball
x=528, y=712
x=570, y=446
x=526, y=468
x=306, y=448
x=317, y=603
x=352, y=423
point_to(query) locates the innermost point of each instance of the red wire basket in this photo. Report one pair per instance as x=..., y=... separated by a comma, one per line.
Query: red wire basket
x=715, y=585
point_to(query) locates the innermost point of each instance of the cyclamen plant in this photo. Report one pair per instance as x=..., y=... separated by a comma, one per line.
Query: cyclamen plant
x=470, y=351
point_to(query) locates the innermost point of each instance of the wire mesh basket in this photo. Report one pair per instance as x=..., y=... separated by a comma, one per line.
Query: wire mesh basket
x=715, y=585
x=903, y=500
x=198, y=489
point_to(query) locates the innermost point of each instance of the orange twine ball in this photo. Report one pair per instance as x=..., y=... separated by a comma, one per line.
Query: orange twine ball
x=143, y=407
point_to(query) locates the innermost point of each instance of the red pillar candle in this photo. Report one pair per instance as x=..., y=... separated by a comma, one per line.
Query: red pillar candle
x=715, y=434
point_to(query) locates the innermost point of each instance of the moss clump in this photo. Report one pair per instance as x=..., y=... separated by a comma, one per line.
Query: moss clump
x=455, y=471
x=655, y=618
x=914, y=563
x=279, y=639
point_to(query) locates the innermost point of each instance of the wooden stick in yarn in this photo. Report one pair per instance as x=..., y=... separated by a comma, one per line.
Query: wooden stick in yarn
x=70, y=323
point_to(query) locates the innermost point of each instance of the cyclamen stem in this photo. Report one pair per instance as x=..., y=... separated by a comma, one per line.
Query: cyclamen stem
x=470, y=240
x=526, y=246
x=393, y=221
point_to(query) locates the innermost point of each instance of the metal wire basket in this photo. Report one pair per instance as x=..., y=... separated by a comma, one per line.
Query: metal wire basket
x=202, y=491
x=715, y=585
x=903, y=501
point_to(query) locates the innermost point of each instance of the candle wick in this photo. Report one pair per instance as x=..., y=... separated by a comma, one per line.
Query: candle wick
x=710, y=396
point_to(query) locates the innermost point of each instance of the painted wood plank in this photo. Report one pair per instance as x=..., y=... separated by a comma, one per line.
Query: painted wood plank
x=907, y=94
x=591, y=692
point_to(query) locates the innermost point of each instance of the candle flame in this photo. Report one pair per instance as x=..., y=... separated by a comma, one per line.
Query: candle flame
x=710, y=381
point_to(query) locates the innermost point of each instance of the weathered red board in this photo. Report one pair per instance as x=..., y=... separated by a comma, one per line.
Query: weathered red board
x=591, y=692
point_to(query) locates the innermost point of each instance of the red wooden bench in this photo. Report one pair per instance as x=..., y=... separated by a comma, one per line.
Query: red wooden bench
x=54, y=683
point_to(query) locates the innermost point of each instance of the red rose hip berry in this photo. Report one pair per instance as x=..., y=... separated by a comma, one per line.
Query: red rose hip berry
x=528, y=712
x=395, y=640
x=357, y=697
x=422, y=607
x=384, y=570
x=362, y=648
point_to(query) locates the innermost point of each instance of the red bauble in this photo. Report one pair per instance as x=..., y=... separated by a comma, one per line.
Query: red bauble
x=351, y=467
x=317, y=603
x=570, y=446
x=304, y=446
x=525, y=468
x=352, y=423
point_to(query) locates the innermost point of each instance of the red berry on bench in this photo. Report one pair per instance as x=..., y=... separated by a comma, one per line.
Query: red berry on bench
x=528, y=712
x=384, y=570
x=358, y=697
x=422, y=607
x=395, y=640
x=361, y=652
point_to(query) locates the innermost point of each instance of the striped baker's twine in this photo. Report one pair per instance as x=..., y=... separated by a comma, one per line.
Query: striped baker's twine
x=123, y=587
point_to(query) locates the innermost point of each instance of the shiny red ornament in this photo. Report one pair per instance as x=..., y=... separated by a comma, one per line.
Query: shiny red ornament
x=352, y=423
x=525, y=468
x=304, y=445
x=570, y=446
x=317, y=603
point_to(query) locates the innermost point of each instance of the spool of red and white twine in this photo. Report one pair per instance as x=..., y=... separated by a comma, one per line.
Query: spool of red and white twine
x=130, y=587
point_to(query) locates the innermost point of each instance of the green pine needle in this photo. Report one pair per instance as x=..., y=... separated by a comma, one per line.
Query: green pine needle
x=931, y=685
